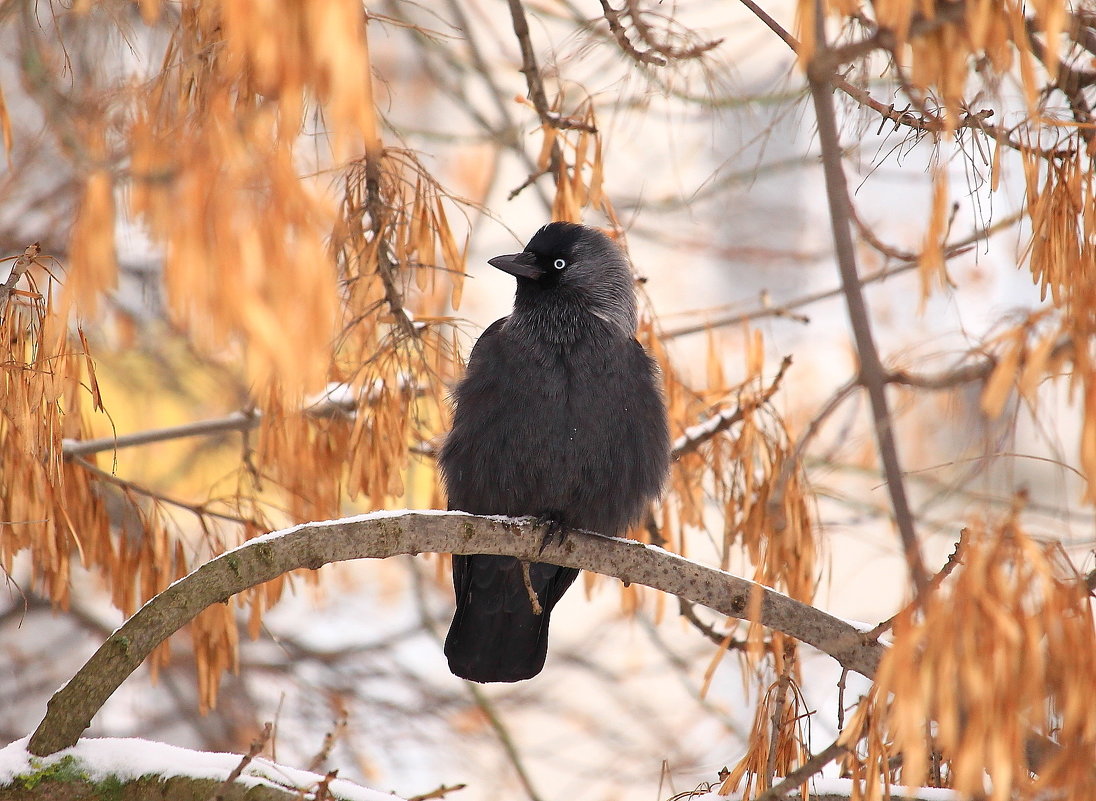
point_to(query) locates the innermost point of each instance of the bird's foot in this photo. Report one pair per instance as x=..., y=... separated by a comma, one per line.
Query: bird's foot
x=554, y=529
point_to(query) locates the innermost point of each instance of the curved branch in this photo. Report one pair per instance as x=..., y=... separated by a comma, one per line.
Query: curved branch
x=382, y=534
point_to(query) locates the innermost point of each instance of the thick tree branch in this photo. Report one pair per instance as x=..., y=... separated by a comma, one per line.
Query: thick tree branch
x=384, y=534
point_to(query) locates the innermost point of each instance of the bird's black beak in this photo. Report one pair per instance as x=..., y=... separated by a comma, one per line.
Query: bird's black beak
x=523, y=264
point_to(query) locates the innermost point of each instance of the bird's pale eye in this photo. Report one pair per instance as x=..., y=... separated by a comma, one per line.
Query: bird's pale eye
x=559, y=264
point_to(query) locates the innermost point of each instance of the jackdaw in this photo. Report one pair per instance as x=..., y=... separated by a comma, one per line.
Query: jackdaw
x=561, y=416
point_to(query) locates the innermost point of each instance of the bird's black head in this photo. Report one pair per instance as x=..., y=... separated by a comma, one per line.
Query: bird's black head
x=568, y=269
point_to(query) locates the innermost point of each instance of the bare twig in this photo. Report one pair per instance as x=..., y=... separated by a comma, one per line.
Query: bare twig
x=530, y=180
x=323, y=788
x=811, y=767
x=783, y=310
x=18, y=269
x=439, y=792
x=621, y=36
x=643, y=30
x=329, y=740
x=257, y=746
x=841, y=684
x=932, y=123
x=534, y=601
x=387, y=267
x=872, y=374
x=504, y=738
x=947, y=379
x=1070, y=82
x=697, y=435
x=688, y=612
x=783, y=683
x=533, y=81
x=198, y=510
x=795, y=459
x=954, y=560
x=332, y=403
x=237, y=421
x=539, y=98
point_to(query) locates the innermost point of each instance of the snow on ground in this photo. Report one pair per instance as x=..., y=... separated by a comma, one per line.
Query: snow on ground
x=130, y=758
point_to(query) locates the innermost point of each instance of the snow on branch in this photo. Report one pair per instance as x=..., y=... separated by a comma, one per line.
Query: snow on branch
x=383, y=534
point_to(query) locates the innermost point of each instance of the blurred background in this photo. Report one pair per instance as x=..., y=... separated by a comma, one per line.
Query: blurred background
x=229, y=223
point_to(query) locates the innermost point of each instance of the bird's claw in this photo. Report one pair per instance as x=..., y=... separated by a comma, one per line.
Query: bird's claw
x=553, y=529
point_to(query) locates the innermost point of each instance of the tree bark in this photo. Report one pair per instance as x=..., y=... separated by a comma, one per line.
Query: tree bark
x=383, y=534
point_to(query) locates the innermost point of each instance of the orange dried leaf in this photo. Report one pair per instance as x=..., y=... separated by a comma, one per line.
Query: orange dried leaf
x=549, y=133
x=5, y=127
x=1001, y=380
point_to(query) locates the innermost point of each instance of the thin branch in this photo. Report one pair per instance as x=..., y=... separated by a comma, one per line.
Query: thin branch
x=533, y=81
x=783, y=682
x=458, y=89
x=811, y=767
x=384, y=534
x=697, y=435
x=1070, y=82
x=773, y=25
x=439, y=792
x=18, y=269
x=688, y=611
x=196, y=509
x=387, y=267
x=329, y=740
x=237, y=421
x=784, y=310
x=964, y=374
x=323, y=787
x=503, y=734
x=872, y=374
x=954, y=560
x=775, y=503
x=621, y=36
x=256, y=748
x=334, y=402
x=932, y=123
x=643, y=30
x=841, y=682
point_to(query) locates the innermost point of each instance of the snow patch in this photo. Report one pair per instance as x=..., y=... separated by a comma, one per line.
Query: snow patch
x=130, y=758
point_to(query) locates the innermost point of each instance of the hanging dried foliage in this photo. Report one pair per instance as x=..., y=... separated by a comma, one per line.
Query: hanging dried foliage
x=47, y=506
x=982, y=675
x=737, y=460
x=263, y=273
x=778, y=741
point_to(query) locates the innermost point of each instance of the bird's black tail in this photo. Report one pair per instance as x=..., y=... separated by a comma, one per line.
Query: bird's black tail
x=496, y=635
